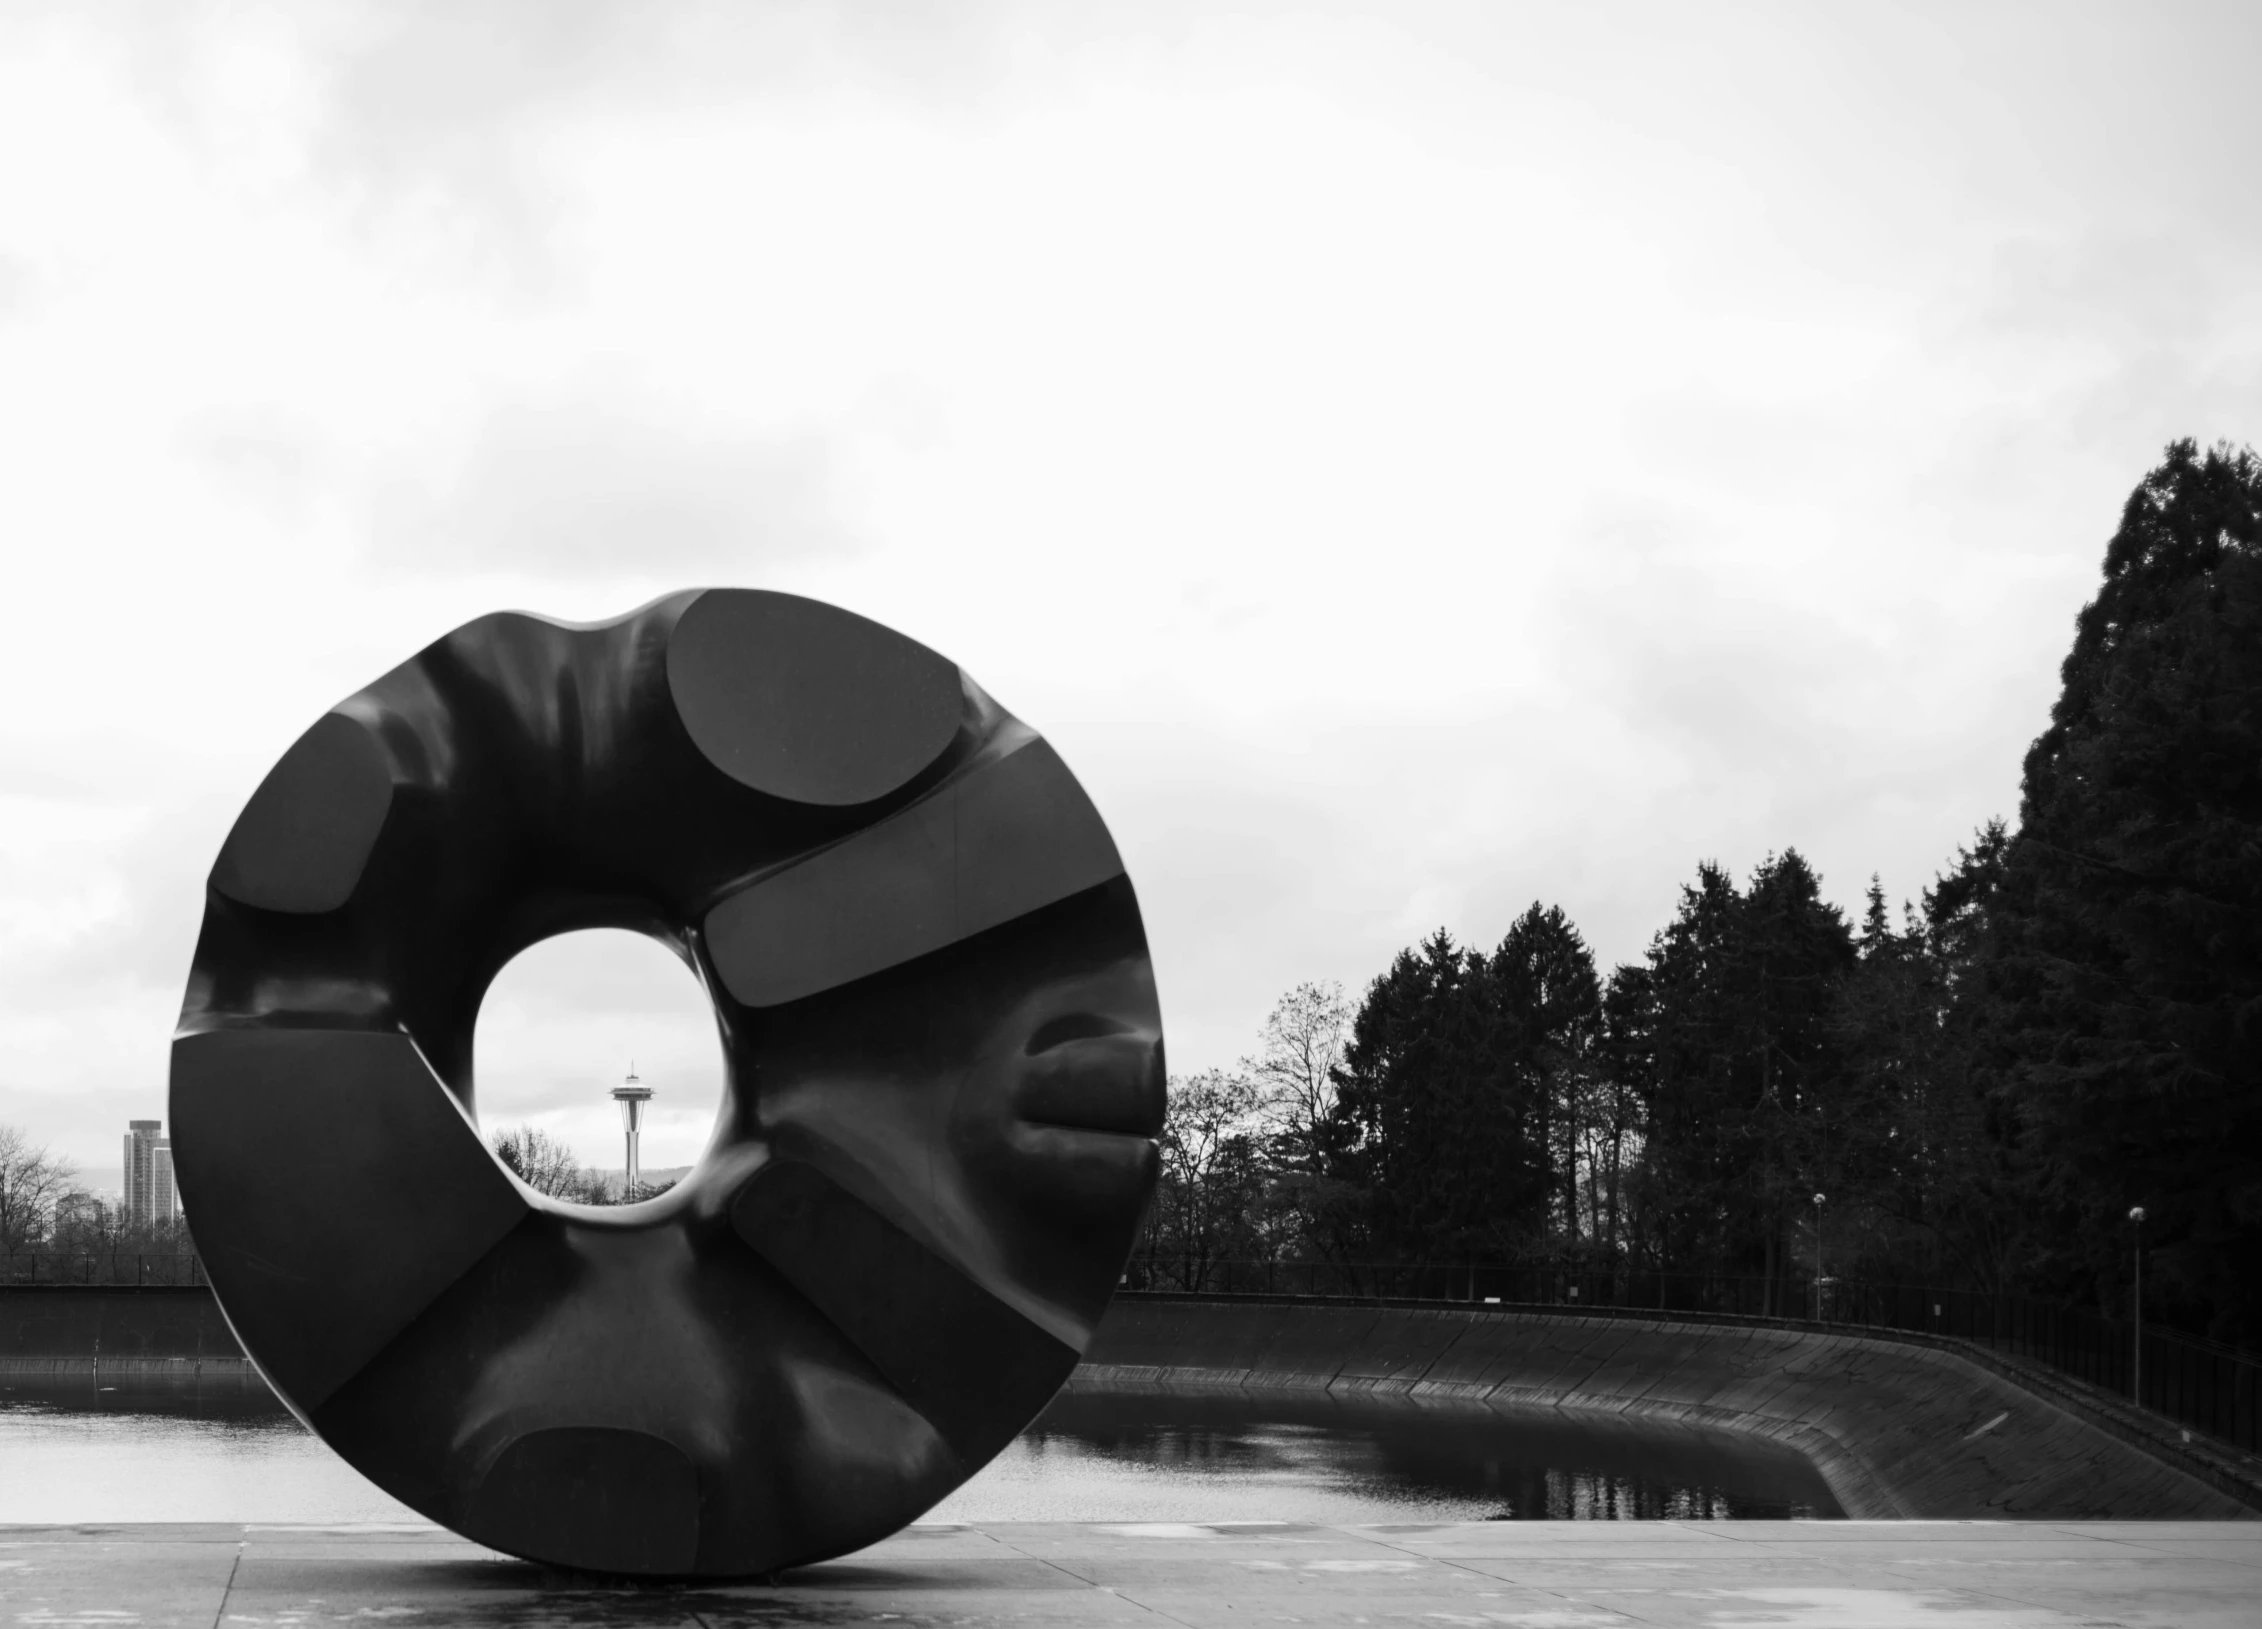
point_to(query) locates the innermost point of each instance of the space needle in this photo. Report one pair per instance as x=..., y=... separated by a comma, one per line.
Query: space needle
x=631, y=1094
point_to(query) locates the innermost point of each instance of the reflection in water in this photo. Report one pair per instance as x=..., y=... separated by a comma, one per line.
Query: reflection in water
x=224, y=1450
x=210, y=1449
x=1288, y=1456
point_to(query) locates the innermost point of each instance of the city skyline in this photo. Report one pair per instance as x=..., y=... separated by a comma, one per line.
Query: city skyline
x=144, y=1187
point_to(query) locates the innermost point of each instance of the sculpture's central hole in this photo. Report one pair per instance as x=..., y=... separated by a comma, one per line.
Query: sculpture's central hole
x=562, y=1027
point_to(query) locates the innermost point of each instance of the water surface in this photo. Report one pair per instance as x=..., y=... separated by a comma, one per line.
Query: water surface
x=1245, y=1456
x=225, y=1450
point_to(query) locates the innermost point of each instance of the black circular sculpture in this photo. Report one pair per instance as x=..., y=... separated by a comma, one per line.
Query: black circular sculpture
x=943, y=1077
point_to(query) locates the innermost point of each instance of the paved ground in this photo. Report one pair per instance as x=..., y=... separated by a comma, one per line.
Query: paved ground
x=1564, y=1575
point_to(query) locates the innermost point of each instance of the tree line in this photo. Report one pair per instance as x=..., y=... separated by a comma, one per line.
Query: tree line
x=1982, y=1084
x=548, y=1166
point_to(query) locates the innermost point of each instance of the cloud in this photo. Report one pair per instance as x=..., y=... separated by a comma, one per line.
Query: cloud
x=20, y=288
x=1412, y=460
x=447, y=141
x=596, y=476
x=461, y=129
x=263, y=454
x=599, y=477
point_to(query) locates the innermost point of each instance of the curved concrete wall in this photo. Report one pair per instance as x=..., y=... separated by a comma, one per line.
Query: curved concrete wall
x=1897, y=1430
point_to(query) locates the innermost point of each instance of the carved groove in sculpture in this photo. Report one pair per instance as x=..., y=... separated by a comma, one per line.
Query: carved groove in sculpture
x=943, y=1077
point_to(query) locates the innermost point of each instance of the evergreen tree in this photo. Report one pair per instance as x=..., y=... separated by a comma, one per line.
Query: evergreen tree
x=2124, y=964
x=1672, y=1030
x=1968, y=1130
x=1550, y=1004
x=1796, y=955
x=1446, y=1143
x=1628, y=1057
x=1920, y=1180
x=1877, y=936
x=1732, y=1032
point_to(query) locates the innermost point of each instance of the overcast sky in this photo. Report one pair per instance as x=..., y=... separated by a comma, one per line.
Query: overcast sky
x=1413, y=460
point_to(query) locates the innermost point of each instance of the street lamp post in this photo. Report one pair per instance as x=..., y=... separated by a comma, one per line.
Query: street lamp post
x=631, y=1094
x=2136, y=1300
x=1818, y=1258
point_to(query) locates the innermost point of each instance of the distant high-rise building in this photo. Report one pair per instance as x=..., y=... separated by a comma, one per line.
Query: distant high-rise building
x=149, y=1195
x=80, y=1209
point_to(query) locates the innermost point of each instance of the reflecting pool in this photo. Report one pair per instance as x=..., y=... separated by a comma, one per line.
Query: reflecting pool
x=225, y=1450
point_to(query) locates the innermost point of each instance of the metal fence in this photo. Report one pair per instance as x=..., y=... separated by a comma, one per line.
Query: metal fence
x=2202, y=1384
x=112, y=1267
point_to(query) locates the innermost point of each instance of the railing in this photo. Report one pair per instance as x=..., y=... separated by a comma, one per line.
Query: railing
x=2202, y=1384
x=110, y=1267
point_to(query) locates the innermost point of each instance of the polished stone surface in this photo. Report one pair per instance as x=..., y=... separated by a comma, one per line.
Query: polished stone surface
x=1567, y=1575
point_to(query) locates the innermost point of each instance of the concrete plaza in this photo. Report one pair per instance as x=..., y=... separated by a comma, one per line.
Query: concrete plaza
x=1562, y=1575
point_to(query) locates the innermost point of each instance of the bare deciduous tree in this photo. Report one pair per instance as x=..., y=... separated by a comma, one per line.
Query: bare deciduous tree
x=544, y=1164
x=1211, y=1177
x=1295, y=1073
x=31, y=1180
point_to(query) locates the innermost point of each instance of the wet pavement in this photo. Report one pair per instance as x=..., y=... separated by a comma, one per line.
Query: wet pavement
x=1543, y=1575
